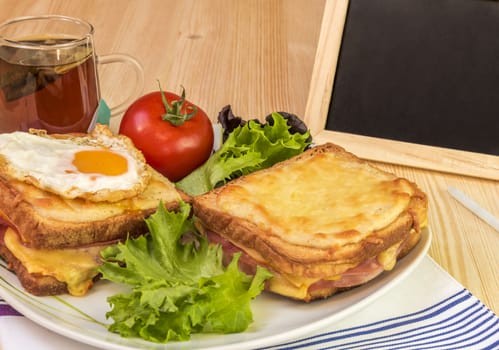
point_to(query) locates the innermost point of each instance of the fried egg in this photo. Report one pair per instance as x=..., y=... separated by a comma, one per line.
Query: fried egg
x=99, y=166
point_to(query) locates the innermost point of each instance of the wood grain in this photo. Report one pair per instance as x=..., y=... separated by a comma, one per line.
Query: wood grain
x=212, y=48
x=324, y=70
x=415, y=155
x=258, y=56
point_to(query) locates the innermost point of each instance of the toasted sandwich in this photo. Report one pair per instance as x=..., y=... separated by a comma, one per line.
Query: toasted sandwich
x=52, y=230
x=321, y=222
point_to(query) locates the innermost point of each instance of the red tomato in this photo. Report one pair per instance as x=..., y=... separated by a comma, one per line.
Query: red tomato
x=173, y=150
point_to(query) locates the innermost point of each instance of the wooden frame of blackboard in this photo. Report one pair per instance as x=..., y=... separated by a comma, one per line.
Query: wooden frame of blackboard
x=373, y=148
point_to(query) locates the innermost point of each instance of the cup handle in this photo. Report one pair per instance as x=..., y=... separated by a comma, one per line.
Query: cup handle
x=138, y=83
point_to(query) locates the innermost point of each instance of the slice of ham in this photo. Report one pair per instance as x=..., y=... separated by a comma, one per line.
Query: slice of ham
x=355, y=276
x=246, y=263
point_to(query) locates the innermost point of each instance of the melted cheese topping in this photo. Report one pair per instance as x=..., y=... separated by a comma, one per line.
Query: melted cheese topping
x=75, y=267
x=353, y=198
x=52, y=206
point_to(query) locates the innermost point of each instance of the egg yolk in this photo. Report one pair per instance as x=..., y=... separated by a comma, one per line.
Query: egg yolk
x=102, y=162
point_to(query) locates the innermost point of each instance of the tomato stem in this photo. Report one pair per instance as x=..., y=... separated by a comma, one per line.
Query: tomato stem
x=174, y=113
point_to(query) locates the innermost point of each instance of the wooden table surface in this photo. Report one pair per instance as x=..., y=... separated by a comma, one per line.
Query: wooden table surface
x=258, y=56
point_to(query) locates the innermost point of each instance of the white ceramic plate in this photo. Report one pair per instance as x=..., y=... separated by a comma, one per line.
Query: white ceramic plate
x=276, y=319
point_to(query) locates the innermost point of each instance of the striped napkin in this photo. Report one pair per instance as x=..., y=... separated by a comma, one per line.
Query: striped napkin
x=457, y=322
x=427, y=310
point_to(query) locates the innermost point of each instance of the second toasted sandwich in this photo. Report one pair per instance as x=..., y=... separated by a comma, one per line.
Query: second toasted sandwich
x=321, y=222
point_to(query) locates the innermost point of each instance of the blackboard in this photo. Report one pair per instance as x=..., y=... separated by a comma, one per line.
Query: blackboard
x=421, y=71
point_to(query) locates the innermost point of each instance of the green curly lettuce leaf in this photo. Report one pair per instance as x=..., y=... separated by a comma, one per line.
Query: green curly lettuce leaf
x=179, y=285
x=248, y=148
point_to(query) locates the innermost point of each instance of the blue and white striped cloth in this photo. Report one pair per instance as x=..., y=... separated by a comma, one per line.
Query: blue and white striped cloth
x=457, y=322
x=427, y=310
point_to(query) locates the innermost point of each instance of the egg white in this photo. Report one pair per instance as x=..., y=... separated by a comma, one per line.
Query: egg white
x=46, y=162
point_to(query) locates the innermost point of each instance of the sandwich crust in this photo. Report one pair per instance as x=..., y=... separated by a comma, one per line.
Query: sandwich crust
x=316, y=215
x=46, y=220
x=306, y=261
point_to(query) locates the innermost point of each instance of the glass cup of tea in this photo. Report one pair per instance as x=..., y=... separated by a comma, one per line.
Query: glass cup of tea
x=49, y=78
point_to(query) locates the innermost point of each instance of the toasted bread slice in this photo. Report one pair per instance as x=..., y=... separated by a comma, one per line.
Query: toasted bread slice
x=46, y=220
x=315, y=217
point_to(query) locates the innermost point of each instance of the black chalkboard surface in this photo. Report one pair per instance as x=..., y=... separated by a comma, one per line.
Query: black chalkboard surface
x=421, y=71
